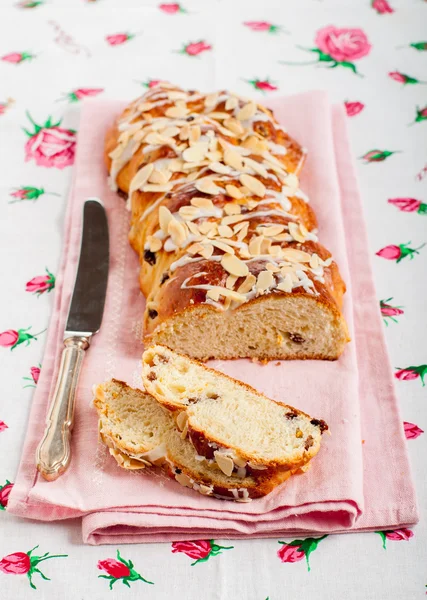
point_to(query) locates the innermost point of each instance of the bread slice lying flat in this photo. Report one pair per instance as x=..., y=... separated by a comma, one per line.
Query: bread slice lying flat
x=140, y=434
x=228, y=421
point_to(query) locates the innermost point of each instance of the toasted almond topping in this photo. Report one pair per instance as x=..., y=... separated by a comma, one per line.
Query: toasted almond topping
x=231, y=280
x=225, y=463
x=293, y=255
x=255, y=245
x=234, y=265
x=242, y=234
x=232, y=219
x=176, y=112
x=195, y=133
x=139, y=135
x=154, y=244
x=207, y=226
x=184, y=133
x=254, y=185
x=207, y=186
x=141, y=177
x=272, y=268
x=196, y=152
x=192, y=176
x=265, y=246
x=233, y=159
x=205, y=489
x=214, y=293
x=211, y=99
x=177, y=232
x=256, y=166
x=176, y=95
x=265, y=280
x=188, y=212
x=223, y=246
x=232, y=209
x=291, y=180
x=286, y=284
x=256, y=145
x=152, y=187
x=314, y=261
x=275, y=250
x=247, y=284
x=233, y=191
x=158, y=177
x=270, y=230
x=214, y=156
x=231, y=103
x=175, y=165
x=154, y=139
x=218, y=167
x=218, y=116
x=225, y=231
x=295, y=232
x=195, y=248
x=202, y=202
x=145, y=106
x=247, y=111
x=171, y=131
x=193, y=228
x=184, y=480
x=165, y=216
x=181, y=420
x=207, y=251
x=234, y=125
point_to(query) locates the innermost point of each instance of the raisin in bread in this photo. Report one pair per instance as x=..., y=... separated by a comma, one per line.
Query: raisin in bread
x=231, y=264
x=228, y=421
x=141, y=434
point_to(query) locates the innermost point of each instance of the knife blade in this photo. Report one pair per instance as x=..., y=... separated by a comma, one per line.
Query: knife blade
x=84, y=320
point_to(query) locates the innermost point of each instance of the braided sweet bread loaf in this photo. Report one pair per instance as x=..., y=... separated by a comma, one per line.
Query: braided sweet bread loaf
x=231, y=265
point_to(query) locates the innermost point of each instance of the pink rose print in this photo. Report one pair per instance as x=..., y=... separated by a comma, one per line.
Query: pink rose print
x=172, y=8
x=11, y=338
x=151, y=83
x=35, y=374
x=398, y=253
x=421, y=115
x=377, y=155
x=30, y=3
x=338, y=47
x=402, y=78
x=409, y=205
x=16, y=58
x=412, y=431
x=264, y=85
x=388, y=311
x=262, y=26
x=42, y=283
x=353, y=108
x=5, y=105
x=195, y=48
x=410, y=373
x=119, y=569
x=50, y=145
x=28, y=193
x=420, y=46
x=119, y=38
x=24, y=563
x=201, y=550
x=382, y=7
x=3, y=426
x=80, y=93
x=4, y=494
x=396, y=535
x=298, y=549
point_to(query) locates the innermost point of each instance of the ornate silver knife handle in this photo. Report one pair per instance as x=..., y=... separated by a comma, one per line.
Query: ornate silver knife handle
x=54, y=451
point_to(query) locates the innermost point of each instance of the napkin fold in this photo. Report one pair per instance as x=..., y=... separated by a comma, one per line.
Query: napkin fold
x=360, y=479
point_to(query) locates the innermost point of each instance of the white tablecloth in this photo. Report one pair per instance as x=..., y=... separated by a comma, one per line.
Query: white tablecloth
x=52, y=54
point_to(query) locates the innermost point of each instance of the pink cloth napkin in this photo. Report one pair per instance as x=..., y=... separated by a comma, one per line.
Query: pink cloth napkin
x=361, y=478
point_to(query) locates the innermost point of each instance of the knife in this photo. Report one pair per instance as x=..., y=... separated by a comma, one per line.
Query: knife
x=53, y=454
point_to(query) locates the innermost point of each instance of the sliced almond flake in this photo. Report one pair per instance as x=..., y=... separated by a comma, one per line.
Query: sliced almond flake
x=233, y=265
x=152, y=187
x=160, y=123
x=273, y=268
x=286, y=284
x=225, y=231
x=247, y=111
x=254, y=185
x=188, y=212
x=246, y=192
x=225, y=463
x=211, y=99
x=177, y=95
x=213, y=142
x=265, y=280
x=196, y=152
x=303, y=229
x=214, y=293
x=207, y=251
x=256, y=145
x=190, y=166
x=265, y=246
x=270, y=230
x=242, y=235
x=207, y=226
x=192, y=176
x=184, y=134
x=218, y=167
x=165, y=216
x=234, y=125
x=141, y=177
x=275, y=250
x=293, y=255
x=256, y=166
x=247, y=284
x=218, y=116
x=195, y=248
x=195, y=133
x=207, y=186
x=179, y=110
x=175, y=165
x=314, y=261
x=117, y=152
x=232, y=209
x=193, y=228
x=225, y=131
x=231, y=280
x=227, y=303
x=177, y=232
x=155, y=244
x=214, y=156
x=288, y=191
x=233, y=159
x=292, y=180
x=255, y=245
x=240, y=226
x=171, y=131
x=327, y=262
x=223, y=246
x=202, y=202
x=157, y=177
x=145, y=106
x=231, y=103
x=283, y=237
x=154, y=139
x=295, y=232
x=233, y=191
x=139, y=135
x=212, y=233
x=232, y=219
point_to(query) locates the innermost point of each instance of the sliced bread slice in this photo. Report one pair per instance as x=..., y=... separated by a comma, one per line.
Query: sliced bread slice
x=228, y=421
x=140, y=433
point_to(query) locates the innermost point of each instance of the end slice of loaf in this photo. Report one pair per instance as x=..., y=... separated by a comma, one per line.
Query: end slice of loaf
x=140, y=433
x=228, y=421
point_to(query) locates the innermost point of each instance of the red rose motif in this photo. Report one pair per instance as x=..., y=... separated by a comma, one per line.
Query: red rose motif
x=9, y=338
x=391, y=311
x=196, y=48
x=290, y=554
x=382, y=7
x=199, y=549
x=3, y=427
x=20, y=194
x=38, y=284
x=343, y=45
x=15, y=58
x=353, y=108
x=412, y=431
x=118, y=38
x=81, y=93
x=50, y=145
x=4, y=494
x=261, y=26
x=406, y=375
x=16, y=564
x=35, y=374
x=170, y=8
x=391, y=252
x=399, y=535
x=114, y=568
x=153, y=83
x=406, y=204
